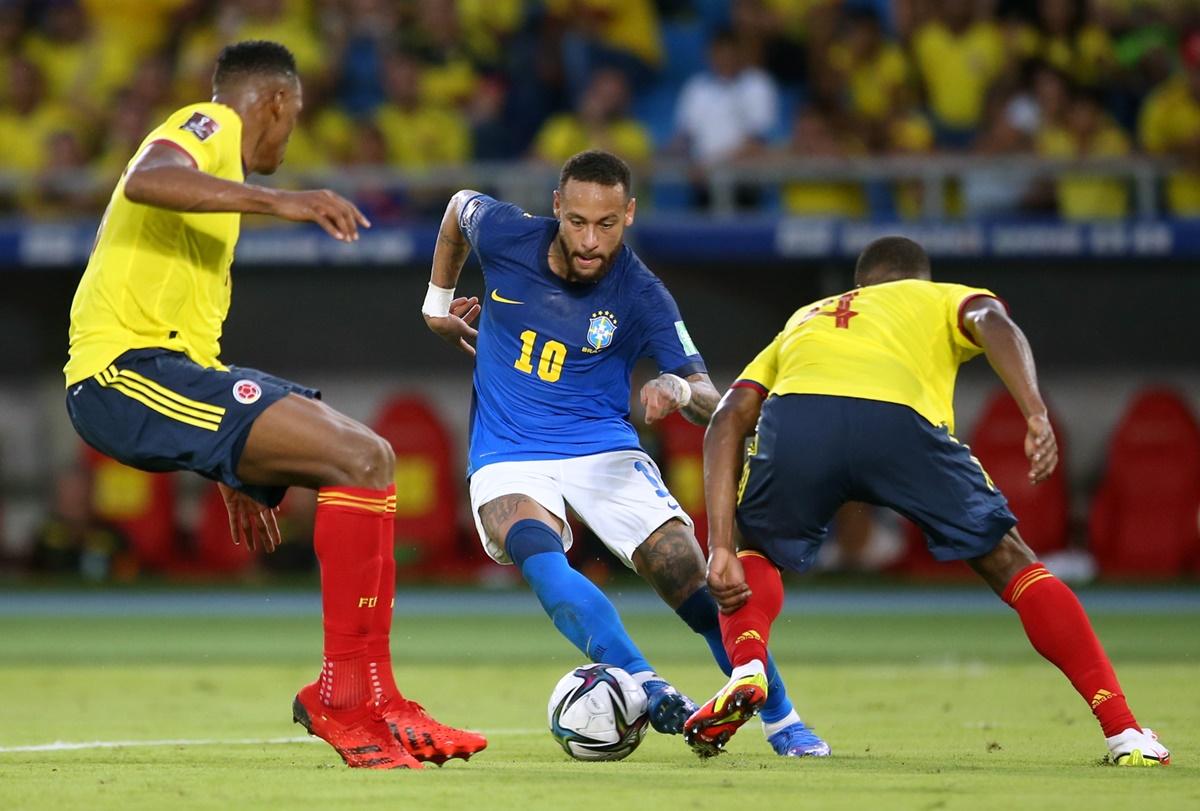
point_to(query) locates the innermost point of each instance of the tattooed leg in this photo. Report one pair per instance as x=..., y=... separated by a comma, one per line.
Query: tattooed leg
x=499, y=515
x=671, y=561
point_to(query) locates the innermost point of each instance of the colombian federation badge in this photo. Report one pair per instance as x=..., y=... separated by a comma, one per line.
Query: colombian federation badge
x=601, y=329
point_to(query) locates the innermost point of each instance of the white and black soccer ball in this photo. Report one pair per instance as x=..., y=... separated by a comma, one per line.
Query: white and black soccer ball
x=598, y=712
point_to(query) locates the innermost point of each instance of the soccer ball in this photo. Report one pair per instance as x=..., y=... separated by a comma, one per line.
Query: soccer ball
x=598, y=712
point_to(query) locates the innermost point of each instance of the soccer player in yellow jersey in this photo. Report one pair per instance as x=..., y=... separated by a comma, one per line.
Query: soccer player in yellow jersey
x=145, y=385
x=853, y=402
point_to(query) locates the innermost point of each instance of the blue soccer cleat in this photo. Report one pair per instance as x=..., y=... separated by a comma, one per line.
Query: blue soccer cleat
x=797, y=740
x=667, y=707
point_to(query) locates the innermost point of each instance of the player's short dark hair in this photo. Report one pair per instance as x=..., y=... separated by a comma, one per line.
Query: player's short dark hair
x=255, y=57
x=597, y=166
x=890, y=258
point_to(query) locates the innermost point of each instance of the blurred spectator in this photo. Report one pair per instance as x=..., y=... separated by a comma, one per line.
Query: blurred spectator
x=72, y=541
x=369, y=27
x=488, y=26
x=288, y=23
x=907, y=132
x=127, y=127
x=79, y=68
x=621, y=34
x=1013, y=118
x=876, y=70
x=1088, y=132
x=449, y=76
x=1074, y=44
x=417, y=133
x=1170, y=125
x=727, y=112
x=140, y=27
x=762, y=32
x=12, y=29
x=958, y=58
x=601, y=122
x=28, y=119
x=825, y=128
x=375, y=195
x=492, y=135
x=64, y=187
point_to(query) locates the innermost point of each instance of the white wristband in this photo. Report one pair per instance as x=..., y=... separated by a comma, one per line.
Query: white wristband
x=437, y=301
x=684, y=387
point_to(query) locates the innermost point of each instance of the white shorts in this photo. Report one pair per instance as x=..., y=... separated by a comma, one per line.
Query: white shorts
x=619, y=495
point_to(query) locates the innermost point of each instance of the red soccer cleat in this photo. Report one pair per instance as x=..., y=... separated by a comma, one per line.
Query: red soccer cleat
x=711, y=726
x=426, y=738
x=359, y=736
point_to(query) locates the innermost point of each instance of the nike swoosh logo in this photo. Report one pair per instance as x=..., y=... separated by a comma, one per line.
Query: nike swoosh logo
x=497, y=297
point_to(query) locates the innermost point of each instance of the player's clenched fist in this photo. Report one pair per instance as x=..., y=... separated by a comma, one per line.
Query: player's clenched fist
x=663, y=395
x=338, y=216
x=726, y=580
x=1041, y=448
x=455, y=327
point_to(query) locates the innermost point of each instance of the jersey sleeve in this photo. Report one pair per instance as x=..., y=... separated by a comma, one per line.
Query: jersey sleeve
x=203, y=132
x=667, y=339
x=760, y=373
x=486, y=221
x=957, y=298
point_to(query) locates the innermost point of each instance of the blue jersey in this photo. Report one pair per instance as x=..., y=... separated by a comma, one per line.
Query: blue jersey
x=554, y=358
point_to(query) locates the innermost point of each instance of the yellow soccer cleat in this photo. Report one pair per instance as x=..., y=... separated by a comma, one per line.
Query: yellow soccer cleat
x=1137, y=747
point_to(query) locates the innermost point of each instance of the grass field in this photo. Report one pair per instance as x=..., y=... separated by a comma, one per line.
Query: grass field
x=923, y=712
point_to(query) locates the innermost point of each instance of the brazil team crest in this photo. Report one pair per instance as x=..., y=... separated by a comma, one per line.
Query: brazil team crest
x=600, y=330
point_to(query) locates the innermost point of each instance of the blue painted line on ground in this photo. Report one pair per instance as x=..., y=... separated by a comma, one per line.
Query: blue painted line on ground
x=464, y=602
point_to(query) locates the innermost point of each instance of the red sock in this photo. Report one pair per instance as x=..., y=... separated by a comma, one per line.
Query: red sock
x=746, y=631
x=346, y=535
x=1057, y=626
x=379, y=650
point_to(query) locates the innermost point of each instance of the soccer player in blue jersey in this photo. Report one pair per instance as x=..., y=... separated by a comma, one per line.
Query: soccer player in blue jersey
x=569, y=310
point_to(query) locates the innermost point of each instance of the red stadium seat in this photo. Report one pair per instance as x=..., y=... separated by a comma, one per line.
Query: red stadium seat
x=683, y=469
x=1143, y=521
x=427, y=487
x=1043, y=512
x=140, y=505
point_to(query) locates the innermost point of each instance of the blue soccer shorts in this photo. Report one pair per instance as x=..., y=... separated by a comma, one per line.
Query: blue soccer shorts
x=158, y=410
x=814, y=452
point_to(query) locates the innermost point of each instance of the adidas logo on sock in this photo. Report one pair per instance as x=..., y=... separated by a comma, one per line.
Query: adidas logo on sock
x=1100, y=697
x=747, y=636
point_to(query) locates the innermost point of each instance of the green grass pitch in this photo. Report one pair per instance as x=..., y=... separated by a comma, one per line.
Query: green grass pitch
x=923, y=712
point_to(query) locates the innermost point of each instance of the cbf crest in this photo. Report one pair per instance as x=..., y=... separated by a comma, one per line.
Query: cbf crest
x=600, y=331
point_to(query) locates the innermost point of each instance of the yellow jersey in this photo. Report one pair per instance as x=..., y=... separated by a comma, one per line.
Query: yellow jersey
x=898, y=342
x=160, y=278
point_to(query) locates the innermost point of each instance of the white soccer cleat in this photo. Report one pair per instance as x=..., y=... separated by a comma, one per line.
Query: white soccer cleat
x=1137, y=747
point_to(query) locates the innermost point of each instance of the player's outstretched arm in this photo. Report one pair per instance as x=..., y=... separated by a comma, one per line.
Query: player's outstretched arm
x=165, y=177
x=724, y=441
x=1008, y=351
x=695, y=398
x=447, y=316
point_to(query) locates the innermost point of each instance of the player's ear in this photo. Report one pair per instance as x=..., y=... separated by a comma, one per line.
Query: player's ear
x=630, y=210
x=557, y=205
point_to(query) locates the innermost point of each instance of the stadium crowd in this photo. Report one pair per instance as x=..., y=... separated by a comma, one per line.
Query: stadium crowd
x=413, y=84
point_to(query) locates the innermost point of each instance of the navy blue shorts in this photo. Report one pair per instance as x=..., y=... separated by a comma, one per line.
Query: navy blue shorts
x=160, y=411
x=813, y=453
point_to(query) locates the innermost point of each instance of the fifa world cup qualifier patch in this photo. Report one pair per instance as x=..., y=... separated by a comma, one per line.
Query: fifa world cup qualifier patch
x=201, y=126
x=685, y=340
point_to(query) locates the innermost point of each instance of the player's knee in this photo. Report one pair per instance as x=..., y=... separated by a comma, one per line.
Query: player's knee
x=369, y=460
x=529, y=537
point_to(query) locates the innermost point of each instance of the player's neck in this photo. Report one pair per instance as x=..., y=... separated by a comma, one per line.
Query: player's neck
x=557, y=260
